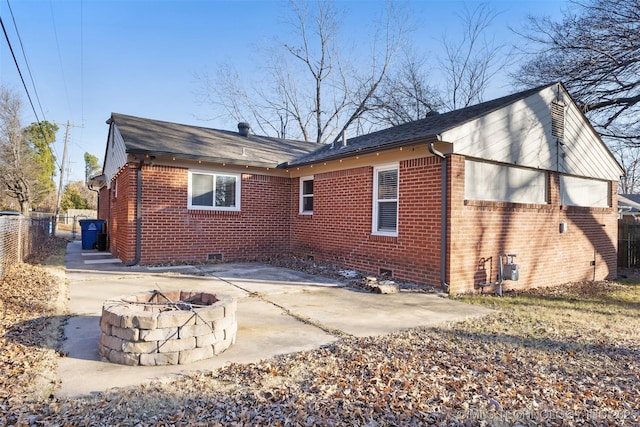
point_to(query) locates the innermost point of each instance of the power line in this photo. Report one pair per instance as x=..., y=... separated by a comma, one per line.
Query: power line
x=13, y=18
x=24, y=84
x=6, y=36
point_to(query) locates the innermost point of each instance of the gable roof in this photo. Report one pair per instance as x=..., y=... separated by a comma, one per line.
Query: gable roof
x=423, y=130
x=514, y=129
x=164, y=139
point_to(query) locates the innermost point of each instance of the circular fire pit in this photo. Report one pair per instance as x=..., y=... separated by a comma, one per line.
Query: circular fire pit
x=166, y=328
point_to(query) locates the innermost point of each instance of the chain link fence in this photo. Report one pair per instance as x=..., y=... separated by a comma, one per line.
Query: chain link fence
x=20, y=237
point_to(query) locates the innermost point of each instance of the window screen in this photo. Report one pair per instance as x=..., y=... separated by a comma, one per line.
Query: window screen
x=202, y=190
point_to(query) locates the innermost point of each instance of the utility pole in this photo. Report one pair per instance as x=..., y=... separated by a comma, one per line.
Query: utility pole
x=62, y=170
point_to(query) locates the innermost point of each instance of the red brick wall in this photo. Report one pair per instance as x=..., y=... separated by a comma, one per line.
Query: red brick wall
x=480, y=231
x=121, y=220
x=172, y=233
x=477, y=233
x=340, y=228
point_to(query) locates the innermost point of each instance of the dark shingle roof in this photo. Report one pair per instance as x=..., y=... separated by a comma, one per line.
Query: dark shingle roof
x=165, y=139
x=424, y=130
x=159, y=138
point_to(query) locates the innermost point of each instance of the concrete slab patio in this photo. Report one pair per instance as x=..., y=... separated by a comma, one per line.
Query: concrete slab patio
x=279, y=311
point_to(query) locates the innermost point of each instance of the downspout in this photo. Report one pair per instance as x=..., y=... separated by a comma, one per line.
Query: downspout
x=443, y=216
x=138, y=217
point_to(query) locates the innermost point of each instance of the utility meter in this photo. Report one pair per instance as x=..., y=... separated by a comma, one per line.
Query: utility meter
x=510, y=270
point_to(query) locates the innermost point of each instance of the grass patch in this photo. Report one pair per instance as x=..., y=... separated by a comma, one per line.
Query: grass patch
x=576, y=316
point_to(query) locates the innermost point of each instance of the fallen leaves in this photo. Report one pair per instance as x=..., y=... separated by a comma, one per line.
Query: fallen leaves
x=550, y=357
x=27, y=361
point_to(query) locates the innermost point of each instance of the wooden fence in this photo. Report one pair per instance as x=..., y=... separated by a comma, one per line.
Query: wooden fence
x=628, y=245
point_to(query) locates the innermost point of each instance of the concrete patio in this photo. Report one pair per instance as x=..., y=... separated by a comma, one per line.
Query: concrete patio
x=279, y=311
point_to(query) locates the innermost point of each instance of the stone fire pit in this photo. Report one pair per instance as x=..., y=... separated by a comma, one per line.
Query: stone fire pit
x=166, y=328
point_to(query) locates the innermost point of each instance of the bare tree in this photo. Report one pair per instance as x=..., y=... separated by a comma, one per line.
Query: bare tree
x=595, y=51
x=15, y=156
x=311, y=87
x=629, y=159
x=470, y=62
x=405, y=95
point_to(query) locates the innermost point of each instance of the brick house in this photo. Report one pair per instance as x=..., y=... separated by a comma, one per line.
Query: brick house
x=437, y=201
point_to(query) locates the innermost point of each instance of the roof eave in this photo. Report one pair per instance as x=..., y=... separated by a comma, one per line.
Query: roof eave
x=361, y=151
x=209, y=159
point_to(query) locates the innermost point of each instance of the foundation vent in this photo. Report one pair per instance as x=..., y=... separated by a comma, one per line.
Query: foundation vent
x=386, y=273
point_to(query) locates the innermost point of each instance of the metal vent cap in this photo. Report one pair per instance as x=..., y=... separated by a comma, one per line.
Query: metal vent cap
x=243, y=128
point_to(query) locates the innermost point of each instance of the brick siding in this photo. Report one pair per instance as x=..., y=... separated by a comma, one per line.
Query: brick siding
x=121, y=222
x=171, y=233
x=339, y=230
x=477, y=232
x=480, y=231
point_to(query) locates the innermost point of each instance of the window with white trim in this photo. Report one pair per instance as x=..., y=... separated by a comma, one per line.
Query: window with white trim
x=214, y=191
x=385, y=200
x=306, y=195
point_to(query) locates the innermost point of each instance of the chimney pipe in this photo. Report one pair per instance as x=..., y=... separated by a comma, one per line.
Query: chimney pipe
x=243, y=128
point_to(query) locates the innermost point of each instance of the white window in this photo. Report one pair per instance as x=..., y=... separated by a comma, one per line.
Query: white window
x=385, y=200
x=576, y=191
x=306, y=195
x=214, y=191
x=503, y=183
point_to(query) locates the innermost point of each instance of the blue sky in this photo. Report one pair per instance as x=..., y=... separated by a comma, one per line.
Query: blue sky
x=90, y=58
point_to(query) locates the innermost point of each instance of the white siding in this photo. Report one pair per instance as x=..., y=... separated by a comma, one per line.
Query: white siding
x=585, y=154
x=520, y=134
x=489, y=181
x=116, y=156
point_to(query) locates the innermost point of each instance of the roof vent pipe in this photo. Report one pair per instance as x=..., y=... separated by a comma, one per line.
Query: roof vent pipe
x=344, y=138
x=243, y=128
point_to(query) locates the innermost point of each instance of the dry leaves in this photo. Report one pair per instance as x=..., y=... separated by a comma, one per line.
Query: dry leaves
x=549, y=357
x=28, y=352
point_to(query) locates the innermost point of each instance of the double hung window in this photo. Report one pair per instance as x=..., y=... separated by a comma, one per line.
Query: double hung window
x=385, y=200
x=306, y=195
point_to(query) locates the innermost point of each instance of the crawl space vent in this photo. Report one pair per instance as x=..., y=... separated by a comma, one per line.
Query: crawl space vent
x=214, y=257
